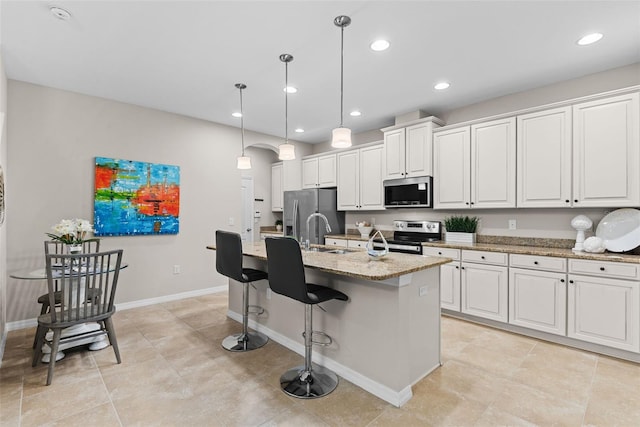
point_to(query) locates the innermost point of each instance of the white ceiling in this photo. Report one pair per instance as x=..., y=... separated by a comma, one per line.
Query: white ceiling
x=185, y=56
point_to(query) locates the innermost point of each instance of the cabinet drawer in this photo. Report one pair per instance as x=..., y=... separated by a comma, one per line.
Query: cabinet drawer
x=454, y=254
x=605, y=269
x=538, y=262
x=335, y=242
x=496, y=258
x=357, y=244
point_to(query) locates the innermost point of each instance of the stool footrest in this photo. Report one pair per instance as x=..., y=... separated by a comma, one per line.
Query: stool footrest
x=327, y=342
x=255, y=309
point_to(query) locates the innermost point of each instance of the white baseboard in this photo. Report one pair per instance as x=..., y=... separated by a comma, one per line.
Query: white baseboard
x=32, y=323
x=396, y=398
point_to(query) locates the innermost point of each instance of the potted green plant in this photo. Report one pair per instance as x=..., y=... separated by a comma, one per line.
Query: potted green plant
x=461, y=229
x=278, y=224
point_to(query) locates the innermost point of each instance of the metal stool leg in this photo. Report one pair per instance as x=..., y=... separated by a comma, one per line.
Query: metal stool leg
x=308, y=382
x=246, y=340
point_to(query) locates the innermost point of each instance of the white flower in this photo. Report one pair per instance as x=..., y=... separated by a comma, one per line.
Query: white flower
x=71, y=231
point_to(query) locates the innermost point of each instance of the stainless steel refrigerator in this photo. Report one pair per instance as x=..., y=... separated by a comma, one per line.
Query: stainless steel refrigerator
x=299, y=205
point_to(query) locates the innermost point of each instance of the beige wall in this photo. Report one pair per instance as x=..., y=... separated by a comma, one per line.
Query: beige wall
x=54, y=136
x=553, y=223
x=3, y=228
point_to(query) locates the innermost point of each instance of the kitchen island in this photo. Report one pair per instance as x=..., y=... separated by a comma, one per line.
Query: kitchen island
x=385, y=338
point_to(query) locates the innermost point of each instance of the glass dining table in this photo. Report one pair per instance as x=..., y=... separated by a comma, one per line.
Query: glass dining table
x=95, y=342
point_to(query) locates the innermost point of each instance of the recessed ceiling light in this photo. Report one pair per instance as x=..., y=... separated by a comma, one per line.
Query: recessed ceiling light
x=299, y=130
x=236, y=114
x=290, y=89
x=60, y=13
x=441, y=86
x=355, y=113
x=589, y=38
x=380, y=45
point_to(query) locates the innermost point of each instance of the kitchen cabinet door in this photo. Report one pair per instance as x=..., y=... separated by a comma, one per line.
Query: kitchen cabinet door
x=310, y=173
x=484, y=291
x=538, y=300
x=277, y=195
x=419, y=149
x=604, y=311
x=606, y=152
x=544, y=159
x=452, y=169
x=493, y=164
x=450, y=286
x=371, y=172
x=319, y=172
x=395, y=153
x=348, y=180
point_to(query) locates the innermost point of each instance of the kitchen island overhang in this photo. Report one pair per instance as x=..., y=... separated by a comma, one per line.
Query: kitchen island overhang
x=385, y=338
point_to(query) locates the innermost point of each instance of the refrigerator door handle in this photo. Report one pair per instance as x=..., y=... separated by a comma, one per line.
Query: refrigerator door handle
x=295, y=219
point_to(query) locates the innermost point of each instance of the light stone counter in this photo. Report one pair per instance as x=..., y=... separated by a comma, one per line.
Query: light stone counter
x=386, y=337
x=543, y=251
x=356, y=263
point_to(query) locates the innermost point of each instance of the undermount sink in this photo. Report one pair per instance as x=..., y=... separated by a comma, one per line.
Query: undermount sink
x=328, y=250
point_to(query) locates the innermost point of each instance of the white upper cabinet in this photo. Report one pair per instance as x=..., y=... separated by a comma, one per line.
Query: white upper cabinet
x=493, y=164
x=360, y=174
x=285, y=176
x=606, y=152
x=544, y=159
x=452, y=168
x=277, y=195
x=319, y=171
x=408, y=150
x=475, y=166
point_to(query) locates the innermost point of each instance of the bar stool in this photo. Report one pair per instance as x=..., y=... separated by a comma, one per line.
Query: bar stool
x=286, y=277
x=229, y=263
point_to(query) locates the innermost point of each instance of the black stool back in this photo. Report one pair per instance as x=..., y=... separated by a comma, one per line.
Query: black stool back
x=229, y=255
x=286, y=270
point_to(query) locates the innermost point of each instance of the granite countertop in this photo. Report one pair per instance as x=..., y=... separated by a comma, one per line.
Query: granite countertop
x=356, y=263
x=526, y=246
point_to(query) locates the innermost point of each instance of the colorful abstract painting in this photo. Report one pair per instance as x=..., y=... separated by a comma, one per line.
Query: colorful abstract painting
x=133, y=198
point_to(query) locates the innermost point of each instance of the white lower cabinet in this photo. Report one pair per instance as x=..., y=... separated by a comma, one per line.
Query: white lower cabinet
x=449, y=277
x=484, y=287
x=330, y=241
x=604, y=311
x=538, y=300
x=357, y=244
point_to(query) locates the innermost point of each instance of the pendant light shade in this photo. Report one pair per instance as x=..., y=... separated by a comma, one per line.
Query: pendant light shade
x=341, y=136
x=286, y=151
x=244, y=162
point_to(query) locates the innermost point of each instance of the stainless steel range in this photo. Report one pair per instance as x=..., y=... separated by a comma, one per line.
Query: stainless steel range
x=408, y=236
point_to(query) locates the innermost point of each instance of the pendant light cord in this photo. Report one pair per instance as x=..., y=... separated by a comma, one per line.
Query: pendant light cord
x=341, y=74
x=286, y=102
x=242, y=121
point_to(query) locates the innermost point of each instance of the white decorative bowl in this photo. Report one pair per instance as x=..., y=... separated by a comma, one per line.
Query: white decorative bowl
x=364, y=231
x=620, y=230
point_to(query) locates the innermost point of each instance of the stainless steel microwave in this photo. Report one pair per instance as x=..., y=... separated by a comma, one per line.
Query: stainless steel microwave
x=408, y=192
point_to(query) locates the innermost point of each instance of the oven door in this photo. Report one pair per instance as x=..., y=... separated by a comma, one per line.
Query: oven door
x=405, y=248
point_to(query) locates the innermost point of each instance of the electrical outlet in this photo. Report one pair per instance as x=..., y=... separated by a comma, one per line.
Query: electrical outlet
x=423, y=291
x=176, y=269
x=512, y=224
x=268, y=293
x=232, y=221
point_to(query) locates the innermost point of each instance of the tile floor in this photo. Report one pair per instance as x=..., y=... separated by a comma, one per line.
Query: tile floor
x=174, y=372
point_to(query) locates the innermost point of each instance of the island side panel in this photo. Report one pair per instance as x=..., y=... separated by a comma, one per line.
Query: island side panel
x=385, y=332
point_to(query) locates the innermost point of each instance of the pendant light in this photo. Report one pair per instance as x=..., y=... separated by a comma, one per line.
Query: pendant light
x=341, y=136
x=286, y=151
x=244, y=162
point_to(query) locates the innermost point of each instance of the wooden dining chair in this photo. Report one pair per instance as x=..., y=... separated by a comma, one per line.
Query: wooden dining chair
x=59, y=248
x=76, y=277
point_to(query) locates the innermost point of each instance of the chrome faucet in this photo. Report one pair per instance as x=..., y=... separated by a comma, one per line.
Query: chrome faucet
x=326, y=221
